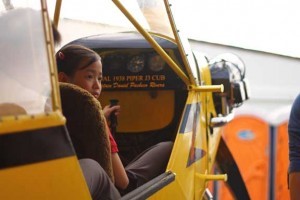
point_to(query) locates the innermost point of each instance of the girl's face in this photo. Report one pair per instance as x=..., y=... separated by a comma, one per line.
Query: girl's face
x=89, y=78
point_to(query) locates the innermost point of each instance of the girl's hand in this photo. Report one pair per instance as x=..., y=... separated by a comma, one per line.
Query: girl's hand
x=107, y=110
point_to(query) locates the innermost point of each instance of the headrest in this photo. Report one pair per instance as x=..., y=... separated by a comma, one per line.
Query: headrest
x=86, y=125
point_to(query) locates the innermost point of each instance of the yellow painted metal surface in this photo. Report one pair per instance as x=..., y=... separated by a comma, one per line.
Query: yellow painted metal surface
x=183, y=46
x=56, y=102
x=142, y=110
x=55, y=179
x=190, y=182
x=186, y=185
x=12, y=124
x=213, y=138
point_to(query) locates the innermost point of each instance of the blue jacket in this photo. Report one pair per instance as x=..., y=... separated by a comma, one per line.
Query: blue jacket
x=294, y=136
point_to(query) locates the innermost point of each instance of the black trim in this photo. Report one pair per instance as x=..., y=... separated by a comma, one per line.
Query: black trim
x=185, y=119
x=122, y=40
x=272, y=163
x=190, y=118
x=34, y=146
x=150, y=187
x=228, y=165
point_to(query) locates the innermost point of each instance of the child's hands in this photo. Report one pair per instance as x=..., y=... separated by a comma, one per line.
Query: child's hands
x=107, y=110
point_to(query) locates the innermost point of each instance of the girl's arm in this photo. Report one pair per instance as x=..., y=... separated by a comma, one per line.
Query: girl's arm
x=121, y=179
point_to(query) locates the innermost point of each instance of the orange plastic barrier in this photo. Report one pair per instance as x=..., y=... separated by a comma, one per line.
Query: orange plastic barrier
x=282, y=162
x=253, y=139
x=247, y=137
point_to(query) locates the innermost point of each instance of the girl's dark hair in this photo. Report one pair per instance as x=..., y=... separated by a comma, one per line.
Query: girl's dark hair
x=71, y=58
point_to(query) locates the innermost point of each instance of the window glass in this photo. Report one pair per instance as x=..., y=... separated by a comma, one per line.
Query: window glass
x=24, y=70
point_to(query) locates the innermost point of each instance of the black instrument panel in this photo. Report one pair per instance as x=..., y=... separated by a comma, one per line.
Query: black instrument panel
x=132, y=70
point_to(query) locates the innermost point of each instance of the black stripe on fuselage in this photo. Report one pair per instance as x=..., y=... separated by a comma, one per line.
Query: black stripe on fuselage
x=185, y=119
x=192, y=112
x=34, y=146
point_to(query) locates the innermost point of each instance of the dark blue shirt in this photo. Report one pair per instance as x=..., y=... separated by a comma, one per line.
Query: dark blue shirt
x=294, y=136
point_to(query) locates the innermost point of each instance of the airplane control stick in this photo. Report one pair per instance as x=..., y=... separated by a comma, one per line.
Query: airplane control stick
x=113, y=117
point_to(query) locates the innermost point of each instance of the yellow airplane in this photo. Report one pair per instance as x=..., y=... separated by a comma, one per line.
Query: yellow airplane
x=167, y=92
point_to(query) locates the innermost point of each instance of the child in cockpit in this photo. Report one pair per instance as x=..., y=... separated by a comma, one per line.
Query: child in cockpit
x=83, y=67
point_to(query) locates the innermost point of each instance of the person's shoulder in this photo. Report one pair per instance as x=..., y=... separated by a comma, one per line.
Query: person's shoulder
x=295, y=106
x=297, y=100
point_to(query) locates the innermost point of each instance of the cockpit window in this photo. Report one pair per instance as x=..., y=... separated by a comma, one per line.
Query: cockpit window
x=24, y=70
